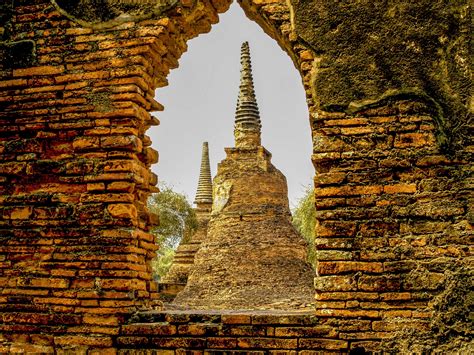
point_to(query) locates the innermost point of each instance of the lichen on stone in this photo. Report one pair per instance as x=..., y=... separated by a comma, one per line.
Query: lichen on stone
x=368, y=49
x=450, y=329
x=108, y=13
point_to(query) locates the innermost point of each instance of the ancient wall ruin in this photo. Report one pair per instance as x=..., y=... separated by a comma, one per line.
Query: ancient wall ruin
x=392, y=151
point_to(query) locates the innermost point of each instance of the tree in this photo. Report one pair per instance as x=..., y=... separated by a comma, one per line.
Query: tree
x=177, y=223
x=304, y=220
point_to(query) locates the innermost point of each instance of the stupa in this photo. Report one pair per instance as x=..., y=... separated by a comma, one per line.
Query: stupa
x=252, y=258
x=184, y=257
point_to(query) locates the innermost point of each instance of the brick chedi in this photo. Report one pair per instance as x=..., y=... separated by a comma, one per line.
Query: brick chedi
x=184, y=257
x=390, y=101
x=253, y=258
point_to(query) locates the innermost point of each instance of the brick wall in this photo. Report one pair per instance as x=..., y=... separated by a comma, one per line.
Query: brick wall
x=237, y=333
x=75, y=246
x=393, y=217
x=394, y=211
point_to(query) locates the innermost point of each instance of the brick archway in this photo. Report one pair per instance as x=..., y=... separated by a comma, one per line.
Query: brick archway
x=393, y=208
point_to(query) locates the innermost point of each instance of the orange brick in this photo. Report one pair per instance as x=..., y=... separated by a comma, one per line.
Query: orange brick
x=83, y=340
x=122, y=210
x=21, y=213
x=389, y=326
x=98, y=186
x=236, y=319
x=347, y=313
x=395, y=296
x=56, y=300
x=335, y=228
x=93, y=330
x=197, y=329
x=414, y=140
x=44, y=70
x=43, y=282
x=306, y=55
x=365, y=190
x=84, y=143
x=400, y=189
x=350, y=131
x=397, y=313
x=99, y=320
x=123, y=284
x=121, y=186
x=341, y=267
x=13, y=83
x=117, y=303
x=323, y=344
x=147, y=329
x=357, y=121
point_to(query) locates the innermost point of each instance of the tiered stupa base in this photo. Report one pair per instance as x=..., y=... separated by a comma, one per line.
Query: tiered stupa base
x=253, y=263
x=253, y=258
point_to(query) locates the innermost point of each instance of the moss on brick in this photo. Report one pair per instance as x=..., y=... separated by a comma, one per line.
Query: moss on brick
x=369, y=50
x=102, y=14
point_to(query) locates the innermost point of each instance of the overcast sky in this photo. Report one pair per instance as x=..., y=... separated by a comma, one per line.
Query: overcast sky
x=200, y=104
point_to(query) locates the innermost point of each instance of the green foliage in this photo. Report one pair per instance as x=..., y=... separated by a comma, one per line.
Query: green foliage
x=162, y=263
x=177, y=223
x=304, y=220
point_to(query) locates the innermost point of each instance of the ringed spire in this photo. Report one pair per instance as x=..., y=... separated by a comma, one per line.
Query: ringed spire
x=204, y=190
x=247, y=128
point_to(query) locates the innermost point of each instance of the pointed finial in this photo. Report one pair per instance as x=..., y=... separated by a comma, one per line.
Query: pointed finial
x=204, y=190
x=247, y=117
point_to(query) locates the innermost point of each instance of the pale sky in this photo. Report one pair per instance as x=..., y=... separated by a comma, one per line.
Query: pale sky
x=200, y=104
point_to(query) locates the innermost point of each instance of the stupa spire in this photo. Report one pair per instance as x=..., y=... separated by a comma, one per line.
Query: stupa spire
x=247, y=117
x=204, y=190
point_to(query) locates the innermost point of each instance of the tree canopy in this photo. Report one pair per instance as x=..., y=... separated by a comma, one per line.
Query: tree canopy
x=304, y=220
x=177, y=224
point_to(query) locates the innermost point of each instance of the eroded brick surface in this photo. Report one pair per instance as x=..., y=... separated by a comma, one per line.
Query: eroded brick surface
x=394, y=211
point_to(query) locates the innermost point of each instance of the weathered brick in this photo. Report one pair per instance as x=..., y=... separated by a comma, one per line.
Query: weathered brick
x=322, y=344
x=236, y=319
x=306, y=332
x=413, y=140
x=221, y=343
x=83, y=340
x=335, y=283
x=267, y=343
x=187, y=343
x=149, y=329
x=122, y=210
x=396, y=325
x=198, y=329
x=341, y=267
x=35, y=71
x=400, y=189
x=43, y=282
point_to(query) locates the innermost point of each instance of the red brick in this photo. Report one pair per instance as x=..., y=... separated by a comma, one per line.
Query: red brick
x=236, y=319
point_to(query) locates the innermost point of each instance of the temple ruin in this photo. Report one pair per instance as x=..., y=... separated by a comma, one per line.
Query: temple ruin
x=252, y=257
x=184, y=257
x=389, y=92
